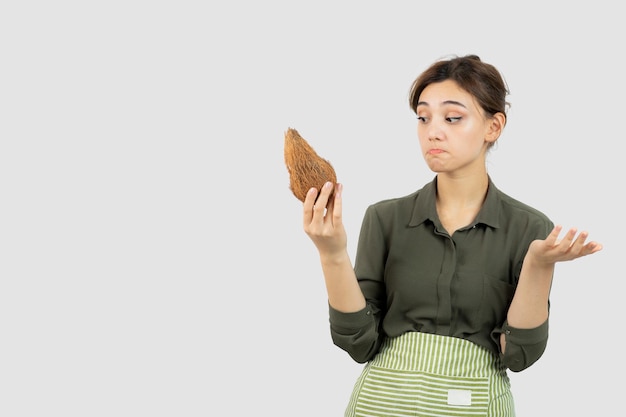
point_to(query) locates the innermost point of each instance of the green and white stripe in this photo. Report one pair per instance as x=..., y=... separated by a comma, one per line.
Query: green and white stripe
x=420, y=374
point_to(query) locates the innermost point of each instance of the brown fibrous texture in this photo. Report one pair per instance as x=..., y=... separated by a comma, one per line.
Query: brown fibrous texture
x=306, y=168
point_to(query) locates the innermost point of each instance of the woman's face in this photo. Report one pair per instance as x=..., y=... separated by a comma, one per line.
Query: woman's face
x=453, y=131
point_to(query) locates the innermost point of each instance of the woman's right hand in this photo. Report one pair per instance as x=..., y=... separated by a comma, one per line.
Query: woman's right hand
x=323, y=220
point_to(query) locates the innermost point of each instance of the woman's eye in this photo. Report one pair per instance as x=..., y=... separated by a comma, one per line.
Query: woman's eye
x=421, y=119
x=453, y=119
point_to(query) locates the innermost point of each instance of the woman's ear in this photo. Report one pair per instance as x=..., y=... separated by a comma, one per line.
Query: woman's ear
x=496, y=125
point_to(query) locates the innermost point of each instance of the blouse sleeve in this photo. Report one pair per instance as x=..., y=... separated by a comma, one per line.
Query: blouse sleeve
x=356, y=333
x=523, y=346
x=359, y=333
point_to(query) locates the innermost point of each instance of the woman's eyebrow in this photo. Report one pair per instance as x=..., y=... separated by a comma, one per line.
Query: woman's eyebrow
x=454, y=102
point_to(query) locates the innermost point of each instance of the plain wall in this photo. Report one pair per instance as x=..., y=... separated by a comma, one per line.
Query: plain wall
x=152, y=257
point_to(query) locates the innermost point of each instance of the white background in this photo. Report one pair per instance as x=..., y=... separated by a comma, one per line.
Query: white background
x=152, y=258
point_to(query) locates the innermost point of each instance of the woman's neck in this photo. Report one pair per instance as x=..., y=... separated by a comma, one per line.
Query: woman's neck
x=461, y=191
x=460, y=199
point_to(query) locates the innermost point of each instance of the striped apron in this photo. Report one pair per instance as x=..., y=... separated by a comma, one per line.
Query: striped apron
x=428, y=375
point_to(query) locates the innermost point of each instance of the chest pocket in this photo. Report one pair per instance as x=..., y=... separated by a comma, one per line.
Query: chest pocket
x=478, y=299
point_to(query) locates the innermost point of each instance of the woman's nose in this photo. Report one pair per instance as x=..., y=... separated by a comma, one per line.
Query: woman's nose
x=435, y=132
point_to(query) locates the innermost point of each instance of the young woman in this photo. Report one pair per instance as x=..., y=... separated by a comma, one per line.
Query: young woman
x=450, y=286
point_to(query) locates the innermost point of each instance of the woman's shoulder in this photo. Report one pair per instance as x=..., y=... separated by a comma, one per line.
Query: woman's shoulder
x=515, y=204
x=426, y=192
x=390, y=203
x=522, y=214
x=402, y=208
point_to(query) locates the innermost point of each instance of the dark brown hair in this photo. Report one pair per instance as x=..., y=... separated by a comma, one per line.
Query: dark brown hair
x=480, y=79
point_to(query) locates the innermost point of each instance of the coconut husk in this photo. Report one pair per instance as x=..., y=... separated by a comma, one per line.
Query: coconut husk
x=306, y=168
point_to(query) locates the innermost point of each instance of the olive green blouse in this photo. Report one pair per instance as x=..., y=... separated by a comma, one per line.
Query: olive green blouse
x=416, y=277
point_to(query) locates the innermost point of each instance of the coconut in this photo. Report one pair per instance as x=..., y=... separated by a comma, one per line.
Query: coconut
x=305, y=167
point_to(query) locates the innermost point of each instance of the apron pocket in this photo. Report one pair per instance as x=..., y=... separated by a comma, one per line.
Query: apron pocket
x=395, y=392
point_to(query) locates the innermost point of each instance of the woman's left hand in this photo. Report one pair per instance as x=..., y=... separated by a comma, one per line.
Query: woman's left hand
x=572, y=246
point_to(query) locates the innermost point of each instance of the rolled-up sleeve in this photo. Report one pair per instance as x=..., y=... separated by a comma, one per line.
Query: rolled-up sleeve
x=359, y=332
x=356, y=333
x=523, y=346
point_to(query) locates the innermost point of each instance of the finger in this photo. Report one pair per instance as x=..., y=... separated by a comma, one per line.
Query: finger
x=307, y=206
x=588, y=248
x=337, y=206
x=322, y=198
x=330, y=207
x=593, y=247
x=567, y=240
x=551, y=239
x=579, y=243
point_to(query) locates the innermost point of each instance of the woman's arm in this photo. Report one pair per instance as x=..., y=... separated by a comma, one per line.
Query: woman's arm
x=323, y=224
x=529, y=308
